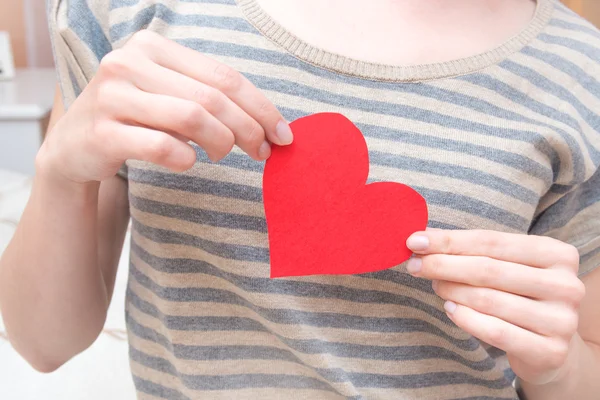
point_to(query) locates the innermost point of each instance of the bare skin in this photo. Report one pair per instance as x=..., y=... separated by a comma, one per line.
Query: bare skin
x=57, y=275
x=553, y=340
x=403, y=32
x=145, y=102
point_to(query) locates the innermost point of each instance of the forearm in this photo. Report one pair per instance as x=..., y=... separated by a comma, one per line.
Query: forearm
x=580, y=382
x=52, y=294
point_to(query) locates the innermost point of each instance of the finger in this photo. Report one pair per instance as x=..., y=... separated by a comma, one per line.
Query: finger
x=249, y=134
x=215, y=74
x=502, y=275
x=139, y=143
x=544, y=318
x=535, y=251
x=171, y=114
x=540, y=351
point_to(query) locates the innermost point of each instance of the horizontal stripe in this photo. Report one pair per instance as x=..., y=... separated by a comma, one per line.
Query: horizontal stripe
x=213, y=364
x=570, y=69
x=589, y=261
x=85, y=25
x=200, y=308
x=232, y=382
x=223, y=351
x=483, y=398
x=124, y=14
x=229, y=382
x=581, y=225
x=191, y=207
x=303, y=289
x=198, y=200
x=576, y=27
x=235, y=252
x=410, y=381
x=114, y=4
x=199, y=185
x=157, y=390
x=199, y=215
x=143, y=18
x=235, y=366
x=268, y=340
x=590, y=51
x=221, y=235
x=286, y=303
x=570, y=205
x=405, y=111
x=399, y=282
x=387, y=280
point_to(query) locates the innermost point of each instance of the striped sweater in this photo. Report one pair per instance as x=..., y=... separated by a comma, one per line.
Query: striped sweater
x=508, y=140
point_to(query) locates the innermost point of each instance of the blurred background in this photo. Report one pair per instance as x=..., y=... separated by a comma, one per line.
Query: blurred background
x=102, y=372
x=26, y=96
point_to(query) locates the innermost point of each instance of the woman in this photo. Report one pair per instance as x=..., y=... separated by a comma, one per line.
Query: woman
x=486, y=108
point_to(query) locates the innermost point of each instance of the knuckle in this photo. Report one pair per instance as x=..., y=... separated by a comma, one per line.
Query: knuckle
x=482, y=300
x=101, y=128
x=443, y=289
x=267, y=111
x=568, y=323
x=490, y=240
x=191, y=117
x=570, y=256
x=143, y=39
x=103, y=136
x=575, y=291
x=568, y=288
x=432, y=264
x=555, y=354
x=106, y=92
x=160, y=148
x=115, y=63
x=228, y=141
x=490, y=272
x=227, y=79
x=223, y=147
x=255, y=133
x=498, y=337
x=209, y=98
x=447, y=243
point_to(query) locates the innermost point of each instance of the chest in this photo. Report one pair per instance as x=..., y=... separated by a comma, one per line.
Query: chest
x=479, y=161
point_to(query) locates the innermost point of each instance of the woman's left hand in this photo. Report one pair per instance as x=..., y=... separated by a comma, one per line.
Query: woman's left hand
x=518, y=293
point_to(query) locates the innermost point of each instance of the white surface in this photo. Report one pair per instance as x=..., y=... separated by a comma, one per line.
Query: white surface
x=39, y=47
x=101, y=372
x=29, y=95
x=7, y=65
x=25, y=102
x=19, y=144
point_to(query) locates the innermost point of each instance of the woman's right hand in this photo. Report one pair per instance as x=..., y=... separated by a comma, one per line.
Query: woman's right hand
x=147, y=101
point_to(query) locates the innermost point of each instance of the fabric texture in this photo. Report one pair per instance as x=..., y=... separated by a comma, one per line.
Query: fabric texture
x=508, y=140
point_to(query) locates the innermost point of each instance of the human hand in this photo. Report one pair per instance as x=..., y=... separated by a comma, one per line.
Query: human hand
x=147, y=101
x=518, y=293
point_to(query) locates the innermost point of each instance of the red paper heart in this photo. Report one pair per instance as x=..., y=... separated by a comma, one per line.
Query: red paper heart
x=322, y=217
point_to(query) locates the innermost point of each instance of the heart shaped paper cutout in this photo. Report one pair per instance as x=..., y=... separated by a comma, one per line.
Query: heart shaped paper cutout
x=322, y=217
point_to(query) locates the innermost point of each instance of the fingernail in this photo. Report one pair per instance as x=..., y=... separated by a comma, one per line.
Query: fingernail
x=284, y=133
x=414, y=265
x=418, y=243
x=434, y=285
x=264, y=151
x=450, y=307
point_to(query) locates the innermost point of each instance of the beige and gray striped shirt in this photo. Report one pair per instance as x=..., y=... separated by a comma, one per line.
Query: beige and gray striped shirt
x=507, y=140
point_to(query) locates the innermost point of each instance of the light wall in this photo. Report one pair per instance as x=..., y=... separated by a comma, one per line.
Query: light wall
x=12, y=19
x=31, y=45
x=25, y=20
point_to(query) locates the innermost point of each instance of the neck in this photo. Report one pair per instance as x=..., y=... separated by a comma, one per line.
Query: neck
x=402, y=31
